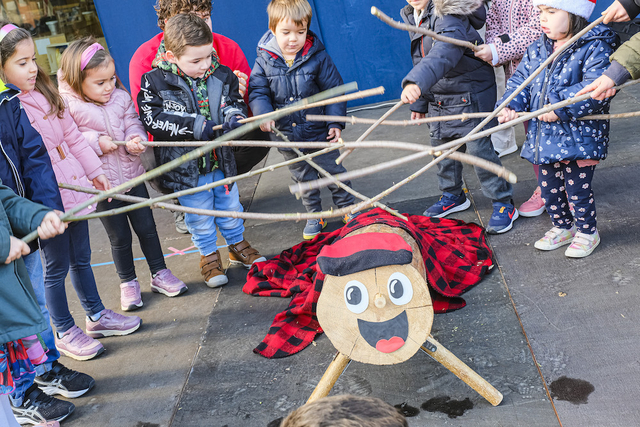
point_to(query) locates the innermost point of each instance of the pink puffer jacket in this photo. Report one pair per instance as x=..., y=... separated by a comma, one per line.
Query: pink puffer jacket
x=117, y=119
x=520, y=21
x=74, y=162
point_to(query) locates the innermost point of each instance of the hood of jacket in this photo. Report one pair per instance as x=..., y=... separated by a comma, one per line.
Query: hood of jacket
x=474, y=10
x=268, y=45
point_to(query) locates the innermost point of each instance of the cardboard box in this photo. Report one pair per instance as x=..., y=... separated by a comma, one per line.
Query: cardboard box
x=41, y=50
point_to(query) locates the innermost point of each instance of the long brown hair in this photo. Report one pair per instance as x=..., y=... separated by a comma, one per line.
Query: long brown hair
x=44, y=85
x=71, y=65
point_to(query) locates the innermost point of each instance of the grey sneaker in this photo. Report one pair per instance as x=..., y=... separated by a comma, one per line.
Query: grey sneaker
x=181, y=227
x=313, y=228
x=112, y=323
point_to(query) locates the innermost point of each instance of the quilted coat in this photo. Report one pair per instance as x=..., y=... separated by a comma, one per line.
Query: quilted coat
x=74, y=162
x=117, y=119
x=274, y=85
x=569, y=138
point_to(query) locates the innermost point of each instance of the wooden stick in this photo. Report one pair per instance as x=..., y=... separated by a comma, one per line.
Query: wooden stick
x=344, y=98
x=415, y=29
x=337, y=366
x=462, y=371
x=337, y=182
x=371, y=129
x=198, y=152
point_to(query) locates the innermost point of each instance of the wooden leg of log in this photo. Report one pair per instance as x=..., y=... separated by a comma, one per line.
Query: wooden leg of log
x=331, y=375
x=462, y=371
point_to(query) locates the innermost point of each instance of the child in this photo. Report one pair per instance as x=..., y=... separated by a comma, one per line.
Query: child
x=511, y=27
x=73, y=162
x=566, y=148
x=175, y=104
x=346, y=411
x=291, y=65
x=26, y=169
x=104, y=113
x=454, y=81
x=20, y=315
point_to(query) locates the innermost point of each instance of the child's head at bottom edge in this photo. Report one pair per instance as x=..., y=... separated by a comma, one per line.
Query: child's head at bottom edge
x=345, y=411
x=188, y=42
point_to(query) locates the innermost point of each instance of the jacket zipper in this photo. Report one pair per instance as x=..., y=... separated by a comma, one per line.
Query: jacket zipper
x=14, y=170
x=112, y=136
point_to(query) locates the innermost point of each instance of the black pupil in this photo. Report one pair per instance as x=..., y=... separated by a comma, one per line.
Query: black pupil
x=354, y=296
x=396, y=289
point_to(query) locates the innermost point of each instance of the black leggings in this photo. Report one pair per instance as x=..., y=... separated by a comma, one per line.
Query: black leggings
x=119, y=232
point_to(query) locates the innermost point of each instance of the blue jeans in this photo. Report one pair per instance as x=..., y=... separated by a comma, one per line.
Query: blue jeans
x=70, y=251
x=36, y=275
x=203, y=227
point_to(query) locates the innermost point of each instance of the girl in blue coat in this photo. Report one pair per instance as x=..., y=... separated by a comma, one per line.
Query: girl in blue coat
x=566, y=148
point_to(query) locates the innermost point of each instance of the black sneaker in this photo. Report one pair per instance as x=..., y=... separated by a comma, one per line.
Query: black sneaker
x=64, y=381
x=38, y=406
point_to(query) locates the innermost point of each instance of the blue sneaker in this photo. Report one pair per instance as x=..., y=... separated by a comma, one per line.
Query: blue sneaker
x=313, y=228
x=448, y=203
x=502, y=218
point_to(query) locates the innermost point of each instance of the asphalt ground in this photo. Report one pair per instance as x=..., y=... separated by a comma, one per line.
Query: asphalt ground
x=557, y=336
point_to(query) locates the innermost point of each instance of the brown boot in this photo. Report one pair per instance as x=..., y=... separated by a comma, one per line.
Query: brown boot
x=211, y=270
x=243, y=253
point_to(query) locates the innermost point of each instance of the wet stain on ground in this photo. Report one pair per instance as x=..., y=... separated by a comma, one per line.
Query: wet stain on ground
x=406, y=410
x=276, y=423
x=572, y=390
x=444, y=404
x=141, y=424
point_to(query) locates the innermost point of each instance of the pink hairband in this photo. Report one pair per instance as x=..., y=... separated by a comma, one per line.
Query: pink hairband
x=6, y=30
x=88, y=54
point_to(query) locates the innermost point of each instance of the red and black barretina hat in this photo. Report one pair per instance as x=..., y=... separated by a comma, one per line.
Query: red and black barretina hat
x=363, y=252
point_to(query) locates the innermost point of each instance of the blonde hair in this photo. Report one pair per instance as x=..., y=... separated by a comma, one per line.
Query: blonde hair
x=346, y=411
x=44, y=85
x=184, y=30
x=299, y=11
x=71, y=64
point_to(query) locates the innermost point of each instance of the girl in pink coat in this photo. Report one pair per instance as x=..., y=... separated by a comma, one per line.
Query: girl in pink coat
x=512, y=25
x=104, y=113
x=73, y=163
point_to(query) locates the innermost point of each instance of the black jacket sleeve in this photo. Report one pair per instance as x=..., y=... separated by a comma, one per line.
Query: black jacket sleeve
x=632, y=7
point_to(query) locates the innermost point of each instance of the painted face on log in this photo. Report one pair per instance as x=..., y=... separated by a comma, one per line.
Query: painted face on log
x=380, y=315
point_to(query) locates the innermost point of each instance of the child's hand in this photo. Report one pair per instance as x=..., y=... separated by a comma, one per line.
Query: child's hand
x=266, y=126
x=411, y=93
x=506, y=115
x=17, y=249
x=51, y=226
x=135, y=147
x=106, y=144
x=417, y=116
x=615, y=13
x=602, y=88
x=485, y=53
x=242, y=82
x=101, y=183
x=549, y=117
x=334, y=134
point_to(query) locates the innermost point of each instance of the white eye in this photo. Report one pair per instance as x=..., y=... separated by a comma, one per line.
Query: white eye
x=400, y=289
x=356, y=296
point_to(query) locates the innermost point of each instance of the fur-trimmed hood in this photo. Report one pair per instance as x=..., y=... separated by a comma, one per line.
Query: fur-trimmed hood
x=455, y=7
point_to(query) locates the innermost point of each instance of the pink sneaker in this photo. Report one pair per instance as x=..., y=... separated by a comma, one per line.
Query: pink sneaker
x=112, y=323
x=534, y=206
x=75, y=344
x=130, y=297
x=164, y=282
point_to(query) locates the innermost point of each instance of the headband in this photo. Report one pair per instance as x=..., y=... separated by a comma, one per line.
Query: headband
x=6, y=30
x=87, y=54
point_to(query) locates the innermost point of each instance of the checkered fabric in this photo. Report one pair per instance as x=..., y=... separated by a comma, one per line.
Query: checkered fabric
x=455, y=254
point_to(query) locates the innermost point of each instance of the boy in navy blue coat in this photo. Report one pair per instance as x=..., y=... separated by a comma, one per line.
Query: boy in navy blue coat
x=448, y=79
x=292, y=64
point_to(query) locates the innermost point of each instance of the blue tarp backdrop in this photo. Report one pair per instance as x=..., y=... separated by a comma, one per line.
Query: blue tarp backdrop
x=364, y=49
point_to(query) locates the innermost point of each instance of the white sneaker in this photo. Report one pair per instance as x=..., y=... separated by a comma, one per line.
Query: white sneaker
x=583, y=245
x=555, y=238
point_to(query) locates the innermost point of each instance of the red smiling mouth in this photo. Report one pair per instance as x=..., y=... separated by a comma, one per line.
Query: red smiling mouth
x=387, y=336
x=389, y=346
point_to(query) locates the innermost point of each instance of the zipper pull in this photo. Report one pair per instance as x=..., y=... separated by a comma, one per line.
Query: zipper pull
x=226, y=187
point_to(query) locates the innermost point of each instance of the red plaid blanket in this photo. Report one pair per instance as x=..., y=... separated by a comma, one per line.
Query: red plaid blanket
x=455, y=254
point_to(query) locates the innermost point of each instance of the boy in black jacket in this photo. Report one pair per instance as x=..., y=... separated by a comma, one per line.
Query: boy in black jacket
x=183, y=98
x=292, y=64
x=447, y=79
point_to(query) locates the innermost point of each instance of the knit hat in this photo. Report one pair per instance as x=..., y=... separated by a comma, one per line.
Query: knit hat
x=363, y=252
x=582, y=8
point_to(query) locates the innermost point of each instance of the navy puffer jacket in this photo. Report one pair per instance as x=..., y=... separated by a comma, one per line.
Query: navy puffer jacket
x=274, y=85
x=451, y=78
x=569, y=138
